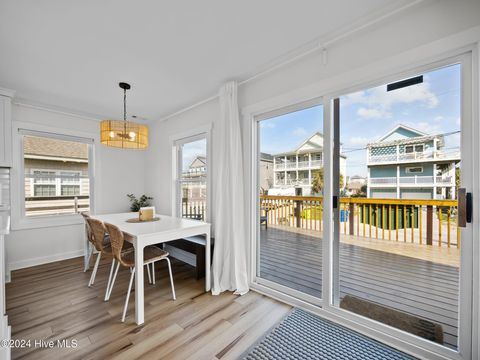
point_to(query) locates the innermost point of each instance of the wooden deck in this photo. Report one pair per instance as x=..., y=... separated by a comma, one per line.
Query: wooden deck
x=416, y=286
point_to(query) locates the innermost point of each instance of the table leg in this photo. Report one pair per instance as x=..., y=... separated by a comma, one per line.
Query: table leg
x=139, y=300
x=208, y=248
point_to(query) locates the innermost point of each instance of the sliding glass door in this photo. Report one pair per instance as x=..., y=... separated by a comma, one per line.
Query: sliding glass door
x=401, y=157
x=361, y=207
x=289, y=204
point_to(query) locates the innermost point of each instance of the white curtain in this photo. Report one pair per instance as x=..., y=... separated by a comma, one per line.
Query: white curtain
x=229, y=269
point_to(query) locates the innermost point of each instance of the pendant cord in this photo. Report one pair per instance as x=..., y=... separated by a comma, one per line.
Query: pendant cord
x=124, y=111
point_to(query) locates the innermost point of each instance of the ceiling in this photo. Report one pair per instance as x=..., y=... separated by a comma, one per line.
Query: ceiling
x=72, y=54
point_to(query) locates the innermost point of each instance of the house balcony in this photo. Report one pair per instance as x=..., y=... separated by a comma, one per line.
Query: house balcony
x=292, y=182
x=414, y=181
x=415, y=157
x=301, y=165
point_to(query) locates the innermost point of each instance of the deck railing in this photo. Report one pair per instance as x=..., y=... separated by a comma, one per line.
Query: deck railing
x=414, y=156
x=424, y=222
x=292, y=165
x=194, y=209
x=412, y=180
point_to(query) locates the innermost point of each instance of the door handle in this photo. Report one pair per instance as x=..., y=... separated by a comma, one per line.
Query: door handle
x=464, y=207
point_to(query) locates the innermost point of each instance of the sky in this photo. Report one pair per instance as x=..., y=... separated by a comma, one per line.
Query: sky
x=191, y=151
x=432, y=107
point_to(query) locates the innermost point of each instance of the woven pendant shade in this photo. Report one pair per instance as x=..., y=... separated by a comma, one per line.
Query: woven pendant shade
x=123, y=134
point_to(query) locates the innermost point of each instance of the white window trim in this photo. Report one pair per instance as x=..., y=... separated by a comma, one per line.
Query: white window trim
x=179, y=139
x=19, y=220
x=409, y=169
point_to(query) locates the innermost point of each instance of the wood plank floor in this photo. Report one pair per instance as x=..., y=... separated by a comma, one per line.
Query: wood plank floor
x=415, y=286
x=53, y=302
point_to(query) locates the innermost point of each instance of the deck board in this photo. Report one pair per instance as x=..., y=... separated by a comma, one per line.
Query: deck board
x=419, y=287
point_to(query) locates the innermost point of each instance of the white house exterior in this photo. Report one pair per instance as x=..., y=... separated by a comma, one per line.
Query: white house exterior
x=409, y=164
x=295, y=169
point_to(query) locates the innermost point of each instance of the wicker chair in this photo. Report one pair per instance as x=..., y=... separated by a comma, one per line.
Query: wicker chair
x=151, y=255
x=89, y=235
x=100, y=240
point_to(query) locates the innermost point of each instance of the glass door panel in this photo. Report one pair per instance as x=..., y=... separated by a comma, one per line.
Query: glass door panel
x=289, y=188
x=399, y=169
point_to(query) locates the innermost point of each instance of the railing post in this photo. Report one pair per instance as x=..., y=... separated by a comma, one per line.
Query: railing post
x=75, y=204
x=351, y=214
x=298, y=204
x=429, y=225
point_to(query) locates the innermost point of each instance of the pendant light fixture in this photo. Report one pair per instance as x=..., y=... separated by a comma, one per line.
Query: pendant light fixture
x=124, y=134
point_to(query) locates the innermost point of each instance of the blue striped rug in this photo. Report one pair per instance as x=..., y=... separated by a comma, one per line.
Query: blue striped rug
x=302, y=335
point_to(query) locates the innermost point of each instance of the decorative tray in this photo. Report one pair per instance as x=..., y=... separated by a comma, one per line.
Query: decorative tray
x=137, y=220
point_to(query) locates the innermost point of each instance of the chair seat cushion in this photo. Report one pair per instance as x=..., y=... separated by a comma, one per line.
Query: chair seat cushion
x=151, y=254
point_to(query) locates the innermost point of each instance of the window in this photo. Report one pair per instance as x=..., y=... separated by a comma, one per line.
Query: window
x=56, y=174
x=44, y=183
x=414, y=148
x=70, y=183
x=414, y=170
x=191, y=178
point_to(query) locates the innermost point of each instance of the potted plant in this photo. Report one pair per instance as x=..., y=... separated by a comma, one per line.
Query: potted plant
x=136, y=204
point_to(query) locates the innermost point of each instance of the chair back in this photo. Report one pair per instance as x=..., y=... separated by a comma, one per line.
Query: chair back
x=116, y=240
x=98, y=232
x=88, y=230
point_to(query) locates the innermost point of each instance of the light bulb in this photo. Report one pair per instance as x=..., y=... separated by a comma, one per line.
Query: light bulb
x=112, y=134
x=132, y=135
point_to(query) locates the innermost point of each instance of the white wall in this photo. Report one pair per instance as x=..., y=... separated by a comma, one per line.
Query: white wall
x=117, y=172
x=427, y=23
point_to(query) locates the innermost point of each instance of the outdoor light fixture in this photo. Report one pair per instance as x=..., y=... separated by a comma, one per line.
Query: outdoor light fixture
x=124, y=134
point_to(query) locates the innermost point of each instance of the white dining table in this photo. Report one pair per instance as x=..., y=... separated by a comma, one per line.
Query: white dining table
x=168, y=228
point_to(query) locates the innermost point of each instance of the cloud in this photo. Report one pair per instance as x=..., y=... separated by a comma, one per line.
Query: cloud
x=193, y=149
x=299, y=131
x=381, y=99
x=438, y=118
x=372, y=113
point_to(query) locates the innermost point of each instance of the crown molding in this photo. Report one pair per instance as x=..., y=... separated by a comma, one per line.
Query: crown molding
x=59, y=110
x=7, y=92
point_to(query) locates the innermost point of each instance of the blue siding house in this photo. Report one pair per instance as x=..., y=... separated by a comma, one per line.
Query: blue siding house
x=409, y=164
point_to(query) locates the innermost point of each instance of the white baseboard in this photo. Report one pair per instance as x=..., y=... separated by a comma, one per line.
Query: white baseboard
x=15, y=265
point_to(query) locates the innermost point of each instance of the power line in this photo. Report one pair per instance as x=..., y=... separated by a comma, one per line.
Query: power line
x=365, y=148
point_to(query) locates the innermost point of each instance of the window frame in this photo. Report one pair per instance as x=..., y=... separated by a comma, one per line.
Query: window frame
x=414, y=150
x=77, y=182
x=19, y=220
x=409, y=169
x=176, y=141
x=58, y=184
